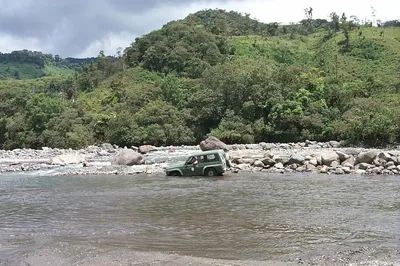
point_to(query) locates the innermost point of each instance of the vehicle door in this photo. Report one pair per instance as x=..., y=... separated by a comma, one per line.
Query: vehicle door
x=202, y=162
x=189, y=168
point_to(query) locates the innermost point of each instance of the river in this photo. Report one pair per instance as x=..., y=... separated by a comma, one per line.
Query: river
x=293, y=218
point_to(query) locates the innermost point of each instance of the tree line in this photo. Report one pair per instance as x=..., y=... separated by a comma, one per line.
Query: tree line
x=242, y=82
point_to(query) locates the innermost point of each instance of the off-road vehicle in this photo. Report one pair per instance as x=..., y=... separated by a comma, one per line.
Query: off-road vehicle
x=204, y=163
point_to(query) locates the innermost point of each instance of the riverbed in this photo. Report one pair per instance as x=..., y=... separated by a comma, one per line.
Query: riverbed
x=240, y=219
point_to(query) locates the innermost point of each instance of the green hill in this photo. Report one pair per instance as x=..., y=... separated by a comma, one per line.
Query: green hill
x=26, y=64
x=220, y=73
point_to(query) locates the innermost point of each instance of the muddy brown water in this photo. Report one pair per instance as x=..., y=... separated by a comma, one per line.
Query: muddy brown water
x=288, y=217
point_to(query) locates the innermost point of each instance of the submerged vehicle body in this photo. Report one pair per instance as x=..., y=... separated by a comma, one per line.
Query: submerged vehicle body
x=203, y=163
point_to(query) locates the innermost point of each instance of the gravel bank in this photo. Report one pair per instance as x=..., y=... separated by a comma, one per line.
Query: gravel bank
x=57, y=257
x=310, y=156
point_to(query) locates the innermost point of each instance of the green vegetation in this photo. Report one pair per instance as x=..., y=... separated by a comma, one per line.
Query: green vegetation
x=221, y=73
x=27, y=65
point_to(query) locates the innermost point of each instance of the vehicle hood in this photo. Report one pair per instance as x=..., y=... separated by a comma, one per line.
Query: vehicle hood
x=175, y=165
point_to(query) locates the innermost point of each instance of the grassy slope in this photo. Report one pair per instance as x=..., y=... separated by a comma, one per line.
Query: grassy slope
x=133, y=79
x=279, y=49
x=57, y=70
x=302, y=51
x=25, y=70
x=374, y=55
x=29, y=70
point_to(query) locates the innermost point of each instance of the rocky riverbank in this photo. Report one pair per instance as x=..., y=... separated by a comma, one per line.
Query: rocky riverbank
x=310, y=156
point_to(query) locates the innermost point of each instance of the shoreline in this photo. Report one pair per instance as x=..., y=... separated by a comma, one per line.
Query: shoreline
x=126, y=257
x=310, y=156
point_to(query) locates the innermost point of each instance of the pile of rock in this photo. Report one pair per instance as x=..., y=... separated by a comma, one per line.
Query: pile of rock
x=308, y=144
x=329, y=161
x=309, y=156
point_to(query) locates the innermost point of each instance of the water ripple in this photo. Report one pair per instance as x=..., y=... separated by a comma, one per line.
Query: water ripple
x=238, y=217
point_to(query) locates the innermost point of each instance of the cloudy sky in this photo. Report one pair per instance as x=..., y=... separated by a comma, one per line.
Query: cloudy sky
x=81, y=28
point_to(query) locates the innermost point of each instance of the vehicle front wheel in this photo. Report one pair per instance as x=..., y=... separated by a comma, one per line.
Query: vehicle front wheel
x=175, y=173
x=210, y=172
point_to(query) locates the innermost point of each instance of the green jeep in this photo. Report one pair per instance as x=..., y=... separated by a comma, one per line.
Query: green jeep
x=208, y=163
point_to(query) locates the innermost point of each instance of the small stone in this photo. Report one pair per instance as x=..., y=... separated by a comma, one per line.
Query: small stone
x=310, y=168
x=389, y=164
x=268, y=161
x=314, y=161
x=347, y=170
x=268, y=155
x=301, y=169
x=339, y=171
x=258, y=163
x=364, y=166
x=334, y=164
x=324, y=169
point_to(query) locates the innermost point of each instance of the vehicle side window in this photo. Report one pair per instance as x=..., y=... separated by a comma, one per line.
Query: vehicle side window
x=202, y=159
x=212, y=158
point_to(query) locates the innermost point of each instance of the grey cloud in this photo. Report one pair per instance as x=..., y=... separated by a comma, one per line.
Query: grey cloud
x=68, y=27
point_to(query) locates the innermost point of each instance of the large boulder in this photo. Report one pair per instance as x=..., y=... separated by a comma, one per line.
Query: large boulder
x=385, y=156
x=296, y=158
x=146, y=149
x=335, y=144
x=258, y=164
x=284, y=159
x=107, y=147
x=313, y=161
x=127, y=157
x=212, y=143
x=68, y=158
x=349, y=163
x=342, y=156
x=352, y=151
x=268, y=161
x=329, y=157
x=367, y=157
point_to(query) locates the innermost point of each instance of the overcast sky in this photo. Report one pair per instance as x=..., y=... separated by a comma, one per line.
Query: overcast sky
x=81, y=28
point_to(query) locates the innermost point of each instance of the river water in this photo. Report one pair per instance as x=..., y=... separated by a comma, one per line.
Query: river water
x=260, y=217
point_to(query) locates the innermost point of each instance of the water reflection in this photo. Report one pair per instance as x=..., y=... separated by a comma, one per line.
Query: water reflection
x=235, y=217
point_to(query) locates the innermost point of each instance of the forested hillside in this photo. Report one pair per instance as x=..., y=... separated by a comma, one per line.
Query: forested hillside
x=222, y=73
x=26, y=64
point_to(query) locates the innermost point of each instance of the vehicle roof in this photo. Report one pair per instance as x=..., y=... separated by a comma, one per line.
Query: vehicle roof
x=205, y=152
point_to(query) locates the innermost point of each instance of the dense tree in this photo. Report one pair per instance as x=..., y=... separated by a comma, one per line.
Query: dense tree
x=178, y=48
x=214, y=72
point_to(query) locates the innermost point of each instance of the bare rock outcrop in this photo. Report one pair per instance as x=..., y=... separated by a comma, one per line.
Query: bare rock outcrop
x=127, y=157
x=213, y=143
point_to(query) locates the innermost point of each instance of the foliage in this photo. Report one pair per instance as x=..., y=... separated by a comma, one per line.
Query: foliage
x=26, y=64
x=178, y=48
x=221, y=22
x=214, y=72
x=233, y=129
x=369, y=121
